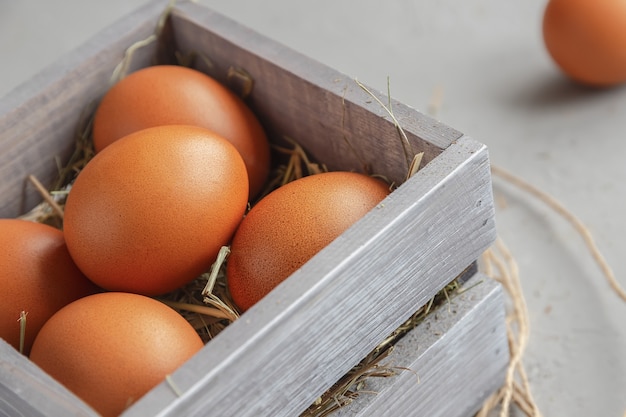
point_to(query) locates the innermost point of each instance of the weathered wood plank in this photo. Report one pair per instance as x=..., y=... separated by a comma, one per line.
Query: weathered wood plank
x=299, y=340
x=337, y=122
x=25, y=390
x=39, y=119
x=470, y=330
x=302, y=337
x=454, y=360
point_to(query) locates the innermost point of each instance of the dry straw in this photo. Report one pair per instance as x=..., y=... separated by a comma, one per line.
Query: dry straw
x=205, y=302
x=500, y=264
x=209, y=308
x=354, y=383
x=580, y=227
x=22, y=321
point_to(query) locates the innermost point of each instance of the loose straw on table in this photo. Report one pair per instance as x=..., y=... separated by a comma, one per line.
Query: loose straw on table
x=499, y=261
x=501, y=265
x=507, y=273
x=500, y=258
x=580, y=227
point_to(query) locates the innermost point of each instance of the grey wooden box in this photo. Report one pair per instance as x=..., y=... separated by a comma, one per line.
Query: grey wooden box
x=293, y=345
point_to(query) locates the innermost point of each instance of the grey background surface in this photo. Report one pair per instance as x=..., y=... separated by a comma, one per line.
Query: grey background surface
x=485, y=63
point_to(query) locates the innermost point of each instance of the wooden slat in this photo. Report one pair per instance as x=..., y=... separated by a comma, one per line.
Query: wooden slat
x=452, y=361
x=25, y=390
x=39, y=119
x=299, y=340
x=302, y=337
x=298, y=97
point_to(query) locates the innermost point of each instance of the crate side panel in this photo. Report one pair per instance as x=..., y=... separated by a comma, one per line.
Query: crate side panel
x=25, y=390
x=337, y=122
x=39, y=120
x=459, y=352
x=302, y=337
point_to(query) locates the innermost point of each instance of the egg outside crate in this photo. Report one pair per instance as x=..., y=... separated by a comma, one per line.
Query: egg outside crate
x=292, y=346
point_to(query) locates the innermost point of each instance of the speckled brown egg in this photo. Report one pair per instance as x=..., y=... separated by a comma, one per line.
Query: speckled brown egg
x=37, y=276
x=112, y=348
x=150, y=212
x=291, y=224
x=587, y=39
x=169, y=94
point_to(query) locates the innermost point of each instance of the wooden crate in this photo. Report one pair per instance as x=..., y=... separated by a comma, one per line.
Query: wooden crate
x=294, y=344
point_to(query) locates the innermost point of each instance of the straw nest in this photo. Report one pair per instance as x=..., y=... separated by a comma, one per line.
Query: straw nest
x=207, y=305
x=205, y=302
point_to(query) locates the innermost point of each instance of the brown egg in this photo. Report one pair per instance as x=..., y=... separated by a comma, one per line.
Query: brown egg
x=37, y=276
x=587, y=39
x=112, y=348
x=290, y=225
x=169, y=94
x=150, y=212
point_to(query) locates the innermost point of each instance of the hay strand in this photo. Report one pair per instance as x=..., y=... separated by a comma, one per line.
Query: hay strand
x=501, y=265
x=207, y=292
x=195, y=308
x=22, y=321
x=415, y=164
x=353, y=150
x=512, y=391
x=353, y=383
x=46, y=195
x=436, y=101
x=406, y=145
x=240, y=81
x=122, y=67
x=580, y=227
x=173, y=386
x=215, y=269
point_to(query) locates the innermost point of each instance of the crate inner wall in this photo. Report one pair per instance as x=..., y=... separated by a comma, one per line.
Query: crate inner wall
x=324, y=110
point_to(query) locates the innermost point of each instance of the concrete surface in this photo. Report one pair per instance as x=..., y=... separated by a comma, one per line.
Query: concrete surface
x=486, y=62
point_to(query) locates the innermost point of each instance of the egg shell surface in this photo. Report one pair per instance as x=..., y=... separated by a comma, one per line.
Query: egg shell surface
x=37, y=276
x=587, y=39
x=170, y=94
x=151, y=211
x=291, y=224
x=112, y=348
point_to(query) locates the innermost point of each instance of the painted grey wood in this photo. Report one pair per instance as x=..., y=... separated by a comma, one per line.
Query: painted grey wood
x=299, y=340
x=457, y=357
x=25, y=390
x=290, y=347
x=39, y=119
x=472, y=332
x=299, y=97
x=293, y=96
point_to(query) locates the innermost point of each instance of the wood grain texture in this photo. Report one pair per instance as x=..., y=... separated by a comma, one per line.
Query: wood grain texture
x=454, y=360
x=39, y=119
x=25, y=390
x=338, y=123
x=294, y=344
x=300, y=339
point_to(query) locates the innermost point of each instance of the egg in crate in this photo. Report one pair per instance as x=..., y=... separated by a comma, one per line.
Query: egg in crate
x=150, y=212
x=170, y=94
x=291, y=224
x=37, y=277
x=111, y=348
